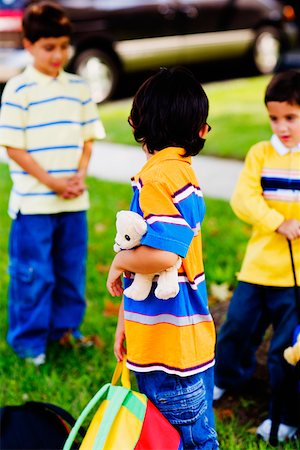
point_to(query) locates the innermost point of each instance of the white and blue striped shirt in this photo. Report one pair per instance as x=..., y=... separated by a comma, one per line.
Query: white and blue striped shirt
x=50, y=118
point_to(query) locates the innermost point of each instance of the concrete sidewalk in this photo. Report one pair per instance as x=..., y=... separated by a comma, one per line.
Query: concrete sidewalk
x=114, y=162
x=217, y=177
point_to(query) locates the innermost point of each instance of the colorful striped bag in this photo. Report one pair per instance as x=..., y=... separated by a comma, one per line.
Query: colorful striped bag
x=125, y=420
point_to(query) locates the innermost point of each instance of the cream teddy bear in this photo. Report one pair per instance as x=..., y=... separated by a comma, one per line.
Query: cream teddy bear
x=130, y=229
x=292, y=354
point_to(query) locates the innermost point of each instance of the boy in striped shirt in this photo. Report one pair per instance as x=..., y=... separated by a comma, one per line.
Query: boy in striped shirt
x=47, y=124
x=267, y=196
x=170, y=343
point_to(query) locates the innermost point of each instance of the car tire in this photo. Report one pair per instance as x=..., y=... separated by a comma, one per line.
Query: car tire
x=266, y=50
x=101, y=71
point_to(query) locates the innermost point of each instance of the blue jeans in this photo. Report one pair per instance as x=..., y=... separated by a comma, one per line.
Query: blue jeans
x=47, y=279
x=252, y=309
x=187, y=404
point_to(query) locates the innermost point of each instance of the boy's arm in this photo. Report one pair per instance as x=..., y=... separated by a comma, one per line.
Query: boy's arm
x=119, y=347
x=85, y=158
x=31, y=166
x=143, y=259
x=249, y=204
x=290, y=229
x=76, y=182
x=247, y=200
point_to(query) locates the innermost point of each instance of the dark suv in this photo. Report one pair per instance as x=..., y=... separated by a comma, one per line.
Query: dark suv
x=113, y=37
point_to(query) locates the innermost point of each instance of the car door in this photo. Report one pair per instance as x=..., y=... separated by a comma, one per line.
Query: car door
x=215, y=28
x=147, y=34
x=137, y=30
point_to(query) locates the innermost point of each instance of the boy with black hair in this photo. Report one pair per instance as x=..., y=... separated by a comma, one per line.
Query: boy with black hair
x=267, y=196
x=47, y=124
x=170, y=343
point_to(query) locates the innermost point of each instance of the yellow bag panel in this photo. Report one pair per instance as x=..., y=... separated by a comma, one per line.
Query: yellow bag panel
x=126, y=428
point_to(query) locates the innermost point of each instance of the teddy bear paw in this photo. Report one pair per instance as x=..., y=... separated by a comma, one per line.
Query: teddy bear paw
x=166, y=294
x=135, y=293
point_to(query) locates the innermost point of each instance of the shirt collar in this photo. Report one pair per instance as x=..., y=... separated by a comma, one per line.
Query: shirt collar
x=169, y=153
x=280, y=148
x=42, y=78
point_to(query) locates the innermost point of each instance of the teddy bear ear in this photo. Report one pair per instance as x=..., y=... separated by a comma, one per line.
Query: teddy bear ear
x=140, y=226
x=121, y=214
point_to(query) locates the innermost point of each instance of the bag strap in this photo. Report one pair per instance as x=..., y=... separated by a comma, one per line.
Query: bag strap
x=122, y=371
x=114, y=405
x=101, y=393
x=297, y=297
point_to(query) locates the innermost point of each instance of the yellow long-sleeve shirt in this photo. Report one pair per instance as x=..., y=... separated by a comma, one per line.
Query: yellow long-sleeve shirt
x=266, y=194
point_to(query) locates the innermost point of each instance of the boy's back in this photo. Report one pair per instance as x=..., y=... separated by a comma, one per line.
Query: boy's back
x=182, y=334
x=170, y=343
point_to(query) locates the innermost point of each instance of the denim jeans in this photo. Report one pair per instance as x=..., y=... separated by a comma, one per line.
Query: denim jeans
x=47, y=279
x=252, y=309
x=186, y=402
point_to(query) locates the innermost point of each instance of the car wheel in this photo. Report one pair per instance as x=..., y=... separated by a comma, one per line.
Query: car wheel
x=266, y=50
x=101, y=72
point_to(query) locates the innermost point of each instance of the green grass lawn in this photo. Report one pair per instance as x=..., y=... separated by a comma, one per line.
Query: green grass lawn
x=72, y=376
x=237, y=116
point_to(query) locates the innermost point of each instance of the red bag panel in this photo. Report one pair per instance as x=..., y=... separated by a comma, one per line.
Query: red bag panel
x=157, y=432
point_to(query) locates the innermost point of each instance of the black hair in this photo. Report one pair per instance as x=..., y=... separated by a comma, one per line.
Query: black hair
x=169, y=110
x=284, y=87
x=45, y=19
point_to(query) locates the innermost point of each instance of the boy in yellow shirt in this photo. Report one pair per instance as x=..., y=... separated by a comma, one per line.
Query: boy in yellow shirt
x=267, y=196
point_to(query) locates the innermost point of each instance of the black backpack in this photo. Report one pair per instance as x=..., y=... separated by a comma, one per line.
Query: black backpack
x=35, y=426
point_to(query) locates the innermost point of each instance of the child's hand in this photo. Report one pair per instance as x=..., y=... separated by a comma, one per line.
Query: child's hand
x=75, y=186
x=119, y=345
x=59, y=185
x=114, y=281
x=290, y=229
x=77, y=182
x=114, y=278
x=67, y=187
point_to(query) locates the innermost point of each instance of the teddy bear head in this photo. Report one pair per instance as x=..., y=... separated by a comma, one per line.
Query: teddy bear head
x=130, y=229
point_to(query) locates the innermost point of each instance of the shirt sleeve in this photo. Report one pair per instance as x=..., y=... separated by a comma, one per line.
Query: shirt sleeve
x=13, y=115
x=247, y=200
x=91, y=123
x=167, y=228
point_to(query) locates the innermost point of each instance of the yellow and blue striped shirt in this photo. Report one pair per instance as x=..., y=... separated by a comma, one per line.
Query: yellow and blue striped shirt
x=50, y=118
x=175, y=335
x=267, y=193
